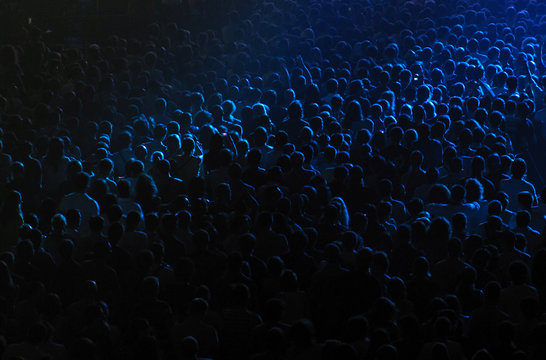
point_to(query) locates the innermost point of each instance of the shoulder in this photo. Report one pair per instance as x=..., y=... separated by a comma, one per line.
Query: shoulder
x=529, y=184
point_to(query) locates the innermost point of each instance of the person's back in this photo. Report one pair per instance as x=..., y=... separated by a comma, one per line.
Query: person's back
x=85, y=246
x=260, y=142
x=11, y=220
x=133, y=241
x=304, y=346
x=452, y=171
x=438, y=202
x=517, y=184
x=53, y=240
x=156, y=144
x=442, y=337
x=253, y=174
x=298, y=260
x=195, y=326
x=98, y=270
x=518, y=290
x=421, y=288
x=359, y=288
x=33, y=175
x=404, y=254
x=68, y=273
x=270, y=159
x=221, y=174
x=81, y=201
x=104, y=172
x=272, y=312
x=125, y=154
x=471, y=210
x=446, y=273
x=54, y=166
x=293, y=297
x=294, y=122
x=299, y=176
x=474, y=196
x=269, y=243
x=534, y=239
x=237, y=322
x=509, y=254
x=153, y=309
x=125, y=202
x=395, y=151
x=431, y=148
x=168, y=186
x=160, y=114
x=415, y=175
x=483, y=321
x=36, y=346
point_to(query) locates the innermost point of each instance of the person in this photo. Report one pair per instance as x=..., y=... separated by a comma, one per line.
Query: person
x=11, y=220
x=195, y=326
x=79, y=199
x=54, y=165
x=125, y=153
x=188, y=164
x=294, y=120
x=36, y=345
x=519, y=289
x=133, y=241
x=517, y=183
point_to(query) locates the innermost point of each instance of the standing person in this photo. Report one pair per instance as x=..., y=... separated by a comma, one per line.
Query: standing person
x=81, y=201
x=517, y=184
x=125, y=153
x=188, y=165
x=54, y=165
x=10, y=221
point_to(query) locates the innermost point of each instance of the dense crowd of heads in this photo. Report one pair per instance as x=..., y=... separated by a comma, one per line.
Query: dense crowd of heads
x=307, y=180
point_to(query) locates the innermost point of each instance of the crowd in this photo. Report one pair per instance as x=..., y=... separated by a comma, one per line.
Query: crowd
x=328, y=179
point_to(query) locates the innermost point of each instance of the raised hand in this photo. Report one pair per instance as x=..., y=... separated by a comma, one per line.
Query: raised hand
x=541, y=57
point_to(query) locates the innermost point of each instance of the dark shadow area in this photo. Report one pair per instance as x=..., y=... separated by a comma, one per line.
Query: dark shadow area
x=276, y=180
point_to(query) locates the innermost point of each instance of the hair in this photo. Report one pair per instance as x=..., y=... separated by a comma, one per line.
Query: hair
x=81, y=182
x=518, y=272
x=474, y=190
x=523, y=218
x=518, y=168
x=439, y=194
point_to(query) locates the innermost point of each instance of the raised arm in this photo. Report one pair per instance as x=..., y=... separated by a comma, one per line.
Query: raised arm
x=486, y=88
x=230, y=144
x=285, y=75
x=306, y=72
x=540, y=63
x=535, y=88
